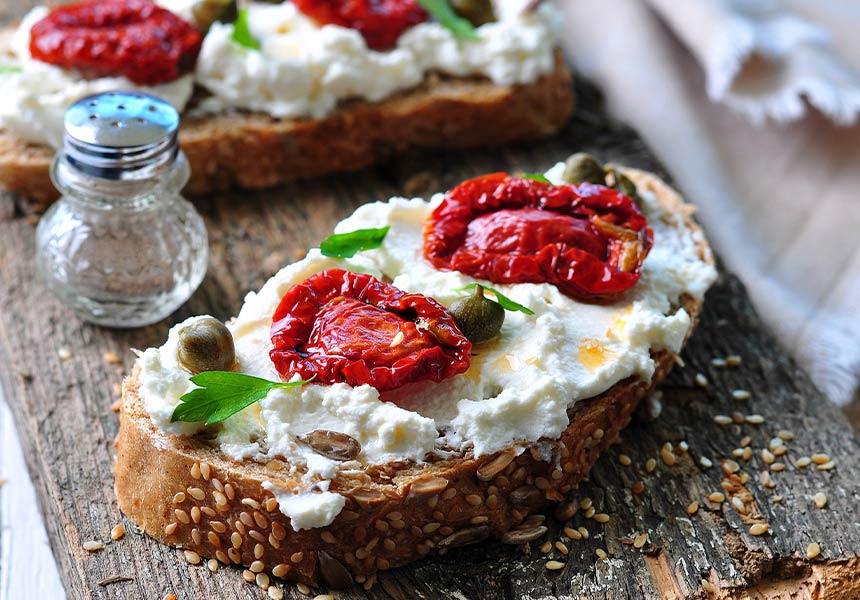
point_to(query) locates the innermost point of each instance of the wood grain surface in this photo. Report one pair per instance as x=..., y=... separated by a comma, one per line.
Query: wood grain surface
x=62, y=409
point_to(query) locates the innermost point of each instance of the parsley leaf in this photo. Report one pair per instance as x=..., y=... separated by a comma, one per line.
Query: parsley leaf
x=503, y=300
x=536, y=177
x=242, y=32
x=346, y=245
x=442, y=12
x=8, y=70
x=222, y=394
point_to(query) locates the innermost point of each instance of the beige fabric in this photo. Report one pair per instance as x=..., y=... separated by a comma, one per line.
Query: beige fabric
x=780, y=202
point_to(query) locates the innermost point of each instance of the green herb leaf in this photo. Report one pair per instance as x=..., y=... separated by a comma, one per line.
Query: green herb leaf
x=345, y=245
x=442, y=12
x=503, y=300
x=242, y=32
x=536, y=177
x=7, y=70
x=222, y=394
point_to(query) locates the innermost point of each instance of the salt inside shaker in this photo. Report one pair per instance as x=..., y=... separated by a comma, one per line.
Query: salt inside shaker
x=121, y=247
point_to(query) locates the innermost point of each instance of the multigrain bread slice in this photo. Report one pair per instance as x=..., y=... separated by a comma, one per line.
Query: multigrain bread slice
x=255, y=151
x=186, y=494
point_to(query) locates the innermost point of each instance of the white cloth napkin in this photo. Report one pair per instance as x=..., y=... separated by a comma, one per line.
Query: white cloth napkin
x=762, y=57
x=779, y=201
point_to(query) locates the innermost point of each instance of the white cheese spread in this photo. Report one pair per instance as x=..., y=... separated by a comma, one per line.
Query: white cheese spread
x=35, y=99
x=301, y=70
x=519, y=385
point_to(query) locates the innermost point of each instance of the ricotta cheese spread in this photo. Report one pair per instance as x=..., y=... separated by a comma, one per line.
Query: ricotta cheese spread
x=517, y=390
x=36, y=94
x=301, y=69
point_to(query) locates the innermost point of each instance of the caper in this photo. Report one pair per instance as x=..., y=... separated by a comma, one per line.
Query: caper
x=477, y=12
x=583, y=168
x=206, y=345
x=623, y=184
x=478, y=317
x=206, y=12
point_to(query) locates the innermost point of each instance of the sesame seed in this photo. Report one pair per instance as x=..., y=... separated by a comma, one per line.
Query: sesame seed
x=196, y=493
x=229, y=491
x=701, y=380
x=785, y=435
x=766, y=481
x=640, y=540
x=195, y=514
x=271, y=504
x=398, y=339
x=722, y=420
x=324, y=597
x=776, y=443
x=755, y=419
x=624, y=460
x=813, y=550
x=212, y=565
x=827, y=466
x=281, y=570
x=303, y=589
x=719, y=362
x=195, y=470
x=706, y=462
x=112, y=358
x=667, y=455
x=562, y=548
x=601, y=553
x=767, y=456
x=744, y=477
x=236, y=539
x=259, y=551
x=572, y=533
x=262, y=581
x=276, y=593
x=182, y=516
x=820, y=500
x=248, y=576
x=170, y=529
x=216, y=483
x=583, y=532
x=741, y=394
x=179, y=498
x=716, y=497
x=650, y=465
x=802, y=462
x=117, y=532
x=64, y=353
x=220, y=499
x=192, y=557
x=601, y=518
x=747, y=453
x=585, y=503
x=693, y=508
x=777, y=467
x=733, y=360
x=546, y=547
x=297, y=557
x=93, y=546
x=776, y=499
x=589, y=513
x=759, y=529
x=683, y=446
x=554, y=565
x=739, y=505
x=679, y=361
x=745, y=441
x=730, y=466
x=706, y=585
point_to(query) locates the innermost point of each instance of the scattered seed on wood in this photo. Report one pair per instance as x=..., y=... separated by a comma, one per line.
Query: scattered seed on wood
x=767, y=456
x=706, y=462
x=722, y=420
x=701, y=380
x=755, y=419
x=601, y=553
x=192, y=557
x=112, y=358
x=718, y=362
x=650, y=465
x=640, y=540
x=827, y=466
x=303, y=589
x=93, y=546
x=562, y=548
x=775, y=443
x=601, y=518
x=624, y=460
x=554, y=565
x=276, y=593
x=785, y=435
x=777, y=467
x=583, y=532
x=741, y=394
x=776, y=499
x=813, y=550
x=546, y=547
x=820, y=500
x=706, y=585
x=759, y=529
x=117, y=532
x=64, y=353
x=572, y=533
x=733, y=360
x=717, y=497
x=693, y=508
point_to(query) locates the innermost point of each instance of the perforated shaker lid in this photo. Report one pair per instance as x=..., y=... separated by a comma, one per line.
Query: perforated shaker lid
x=121, y=135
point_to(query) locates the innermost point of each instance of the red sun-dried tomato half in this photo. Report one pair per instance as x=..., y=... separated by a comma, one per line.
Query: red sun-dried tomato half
x=339, y=326
x=137, y=39
x=588, y=240
x=380, y=22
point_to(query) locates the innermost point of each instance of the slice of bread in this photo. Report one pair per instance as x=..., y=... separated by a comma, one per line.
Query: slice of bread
x=187, y=494
x=254, y=151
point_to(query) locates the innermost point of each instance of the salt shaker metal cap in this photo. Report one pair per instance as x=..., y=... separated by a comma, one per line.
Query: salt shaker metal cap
x=121, y=135
x=121, y=247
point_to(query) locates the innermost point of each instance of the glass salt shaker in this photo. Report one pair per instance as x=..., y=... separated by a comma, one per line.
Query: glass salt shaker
x=121, y=247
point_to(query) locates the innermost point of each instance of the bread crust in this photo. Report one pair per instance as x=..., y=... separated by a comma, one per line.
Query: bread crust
x=394, y=513
x=255, y=151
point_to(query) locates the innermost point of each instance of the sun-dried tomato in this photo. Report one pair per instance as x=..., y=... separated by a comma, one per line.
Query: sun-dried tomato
x=339, y=326
x=137, y=39
x=380, y=22
x=588, y=240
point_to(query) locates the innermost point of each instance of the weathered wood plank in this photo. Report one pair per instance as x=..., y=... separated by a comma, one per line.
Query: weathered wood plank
x=62, y=409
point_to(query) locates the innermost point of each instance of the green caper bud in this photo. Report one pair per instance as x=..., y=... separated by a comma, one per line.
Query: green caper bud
x=478, y=317
x=206, y=345
x=206, y=12
x=582, y=168
x=623, y=184
x=477, y=12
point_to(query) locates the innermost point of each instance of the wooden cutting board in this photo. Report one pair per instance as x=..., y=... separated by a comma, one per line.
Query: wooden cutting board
x=61, y=387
